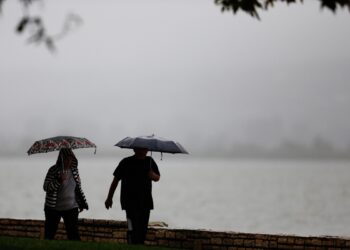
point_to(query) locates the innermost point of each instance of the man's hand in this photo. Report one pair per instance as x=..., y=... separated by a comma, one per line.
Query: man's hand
x=109, y=200
x=108, y=203
x=152, y=175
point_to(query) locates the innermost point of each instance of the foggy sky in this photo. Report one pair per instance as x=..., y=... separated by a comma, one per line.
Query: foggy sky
x=181, y=70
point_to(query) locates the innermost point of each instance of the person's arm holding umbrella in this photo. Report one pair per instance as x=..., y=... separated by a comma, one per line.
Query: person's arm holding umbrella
x=153, y=176
x=153, y=172
x=52, y=181
x=112, y=188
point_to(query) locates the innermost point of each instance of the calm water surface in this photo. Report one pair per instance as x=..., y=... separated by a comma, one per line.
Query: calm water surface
x=293, y=197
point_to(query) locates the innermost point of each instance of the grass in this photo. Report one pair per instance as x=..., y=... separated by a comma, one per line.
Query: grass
x=15, y=243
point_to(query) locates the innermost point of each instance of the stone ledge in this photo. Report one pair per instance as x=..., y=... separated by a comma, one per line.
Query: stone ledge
x=115, y=231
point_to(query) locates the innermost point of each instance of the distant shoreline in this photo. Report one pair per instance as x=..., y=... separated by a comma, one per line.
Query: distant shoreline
x=211, y=155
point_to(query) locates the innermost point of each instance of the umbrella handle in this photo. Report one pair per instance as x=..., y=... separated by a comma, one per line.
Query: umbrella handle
x=62, y=163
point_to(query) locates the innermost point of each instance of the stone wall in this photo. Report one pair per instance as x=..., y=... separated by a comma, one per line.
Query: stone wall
x=115, y=231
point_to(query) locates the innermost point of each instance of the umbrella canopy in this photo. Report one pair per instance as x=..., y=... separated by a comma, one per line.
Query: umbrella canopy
x=58, y=142
x=152, y=143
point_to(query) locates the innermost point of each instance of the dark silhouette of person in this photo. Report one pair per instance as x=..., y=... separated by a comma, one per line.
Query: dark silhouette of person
x=64, y=196
x=136, y=174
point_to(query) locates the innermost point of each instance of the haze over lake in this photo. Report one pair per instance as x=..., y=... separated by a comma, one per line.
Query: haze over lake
x=291, y=197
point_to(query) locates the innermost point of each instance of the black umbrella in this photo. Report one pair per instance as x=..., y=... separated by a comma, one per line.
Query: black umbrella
x=152, y=143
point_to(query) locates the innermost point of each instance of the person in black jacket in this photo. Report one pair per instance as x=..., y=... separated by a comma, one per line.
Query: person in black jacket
x=64, y=196
x=136, y=174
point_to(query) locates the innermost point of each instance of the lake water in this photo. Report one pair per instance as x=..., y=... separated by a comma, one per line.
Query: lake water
x=289, y=197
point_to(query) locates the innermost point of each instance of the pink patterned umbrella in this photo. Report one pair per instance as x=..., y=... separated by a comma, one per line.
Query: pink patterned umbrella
x=58, y=142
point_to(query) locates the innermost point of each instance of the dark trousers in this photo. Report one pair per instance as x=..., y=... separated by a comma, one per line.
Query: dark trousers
x=70, y=218
x=137, y=225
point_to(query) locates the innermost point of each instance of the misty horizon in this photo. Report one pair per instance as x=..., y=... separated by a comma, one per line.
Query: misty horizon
x=287, y=149
x=220, y=84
